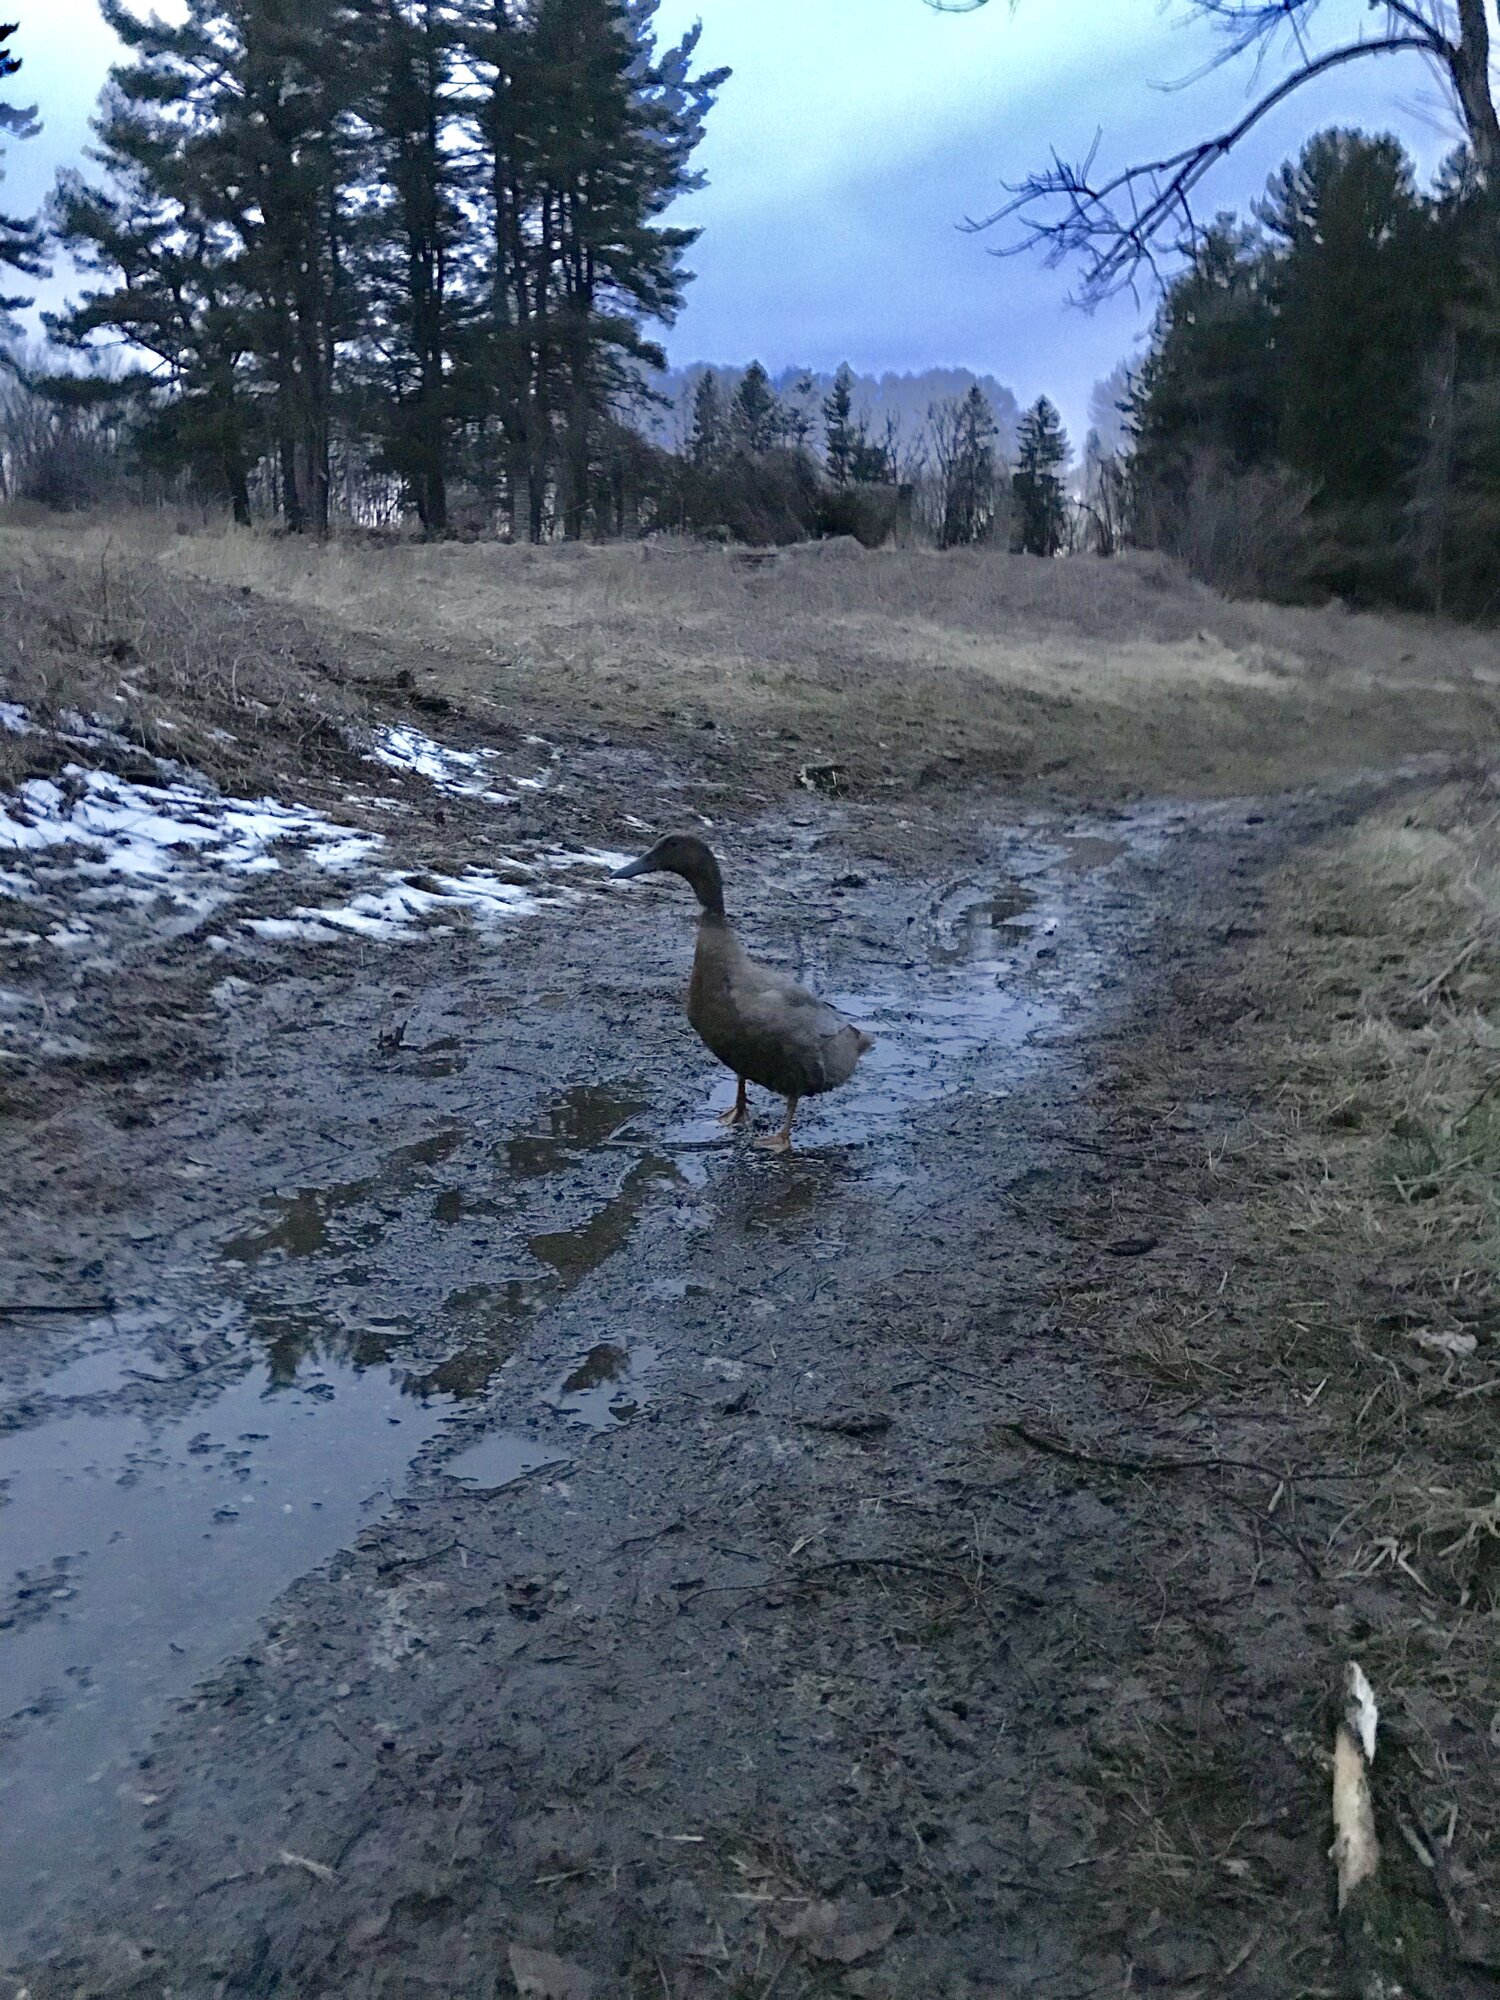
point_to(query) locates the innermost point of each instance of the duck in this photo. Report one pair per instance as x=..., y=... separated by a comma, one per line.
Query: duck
x=758, y=1022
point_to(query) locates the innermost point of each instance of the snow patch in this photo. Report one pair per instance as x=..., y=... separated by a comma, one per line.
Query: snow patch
x=403, y=907
x=94, y=851
x=585, y=857
x=469, y=774
x=462, y=773
x=154, y=833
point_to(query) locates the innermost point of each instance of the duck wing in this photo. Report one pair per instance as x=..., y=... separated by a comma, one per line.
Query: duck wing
x=790, y=1040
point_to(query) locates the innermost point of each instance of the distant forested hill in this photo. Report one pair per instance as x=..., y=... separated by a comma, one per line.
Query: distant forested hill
x=906, y=398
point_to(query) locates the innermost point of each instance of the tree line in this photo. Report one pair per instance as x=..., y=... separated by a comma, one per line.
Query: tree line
x=1319, y=408
x=364, y=255
x=427, y=231
x=372, y=256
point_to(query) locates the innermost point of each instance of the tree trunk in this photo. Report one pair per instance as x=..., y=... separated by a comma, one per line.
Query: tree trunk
x=239, y=490
x=291, y=493
x=1469, y=66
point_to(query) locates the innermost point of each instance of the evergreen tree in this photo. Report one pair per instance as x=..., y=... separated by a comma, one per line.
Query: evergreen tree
x=839, y=429
x=1041, y=506
x=227, y=133
x=407, y=244
x=850, y=454
x=1205, y=388
x=800, y=410
x=1351, y=290
x=21, y=243
x=586, y=136
x=440, y=223
x=278, y=78
x=708, y=437
x=963, y=435
x=174, y=297
x=756, y=419
x=871, y=464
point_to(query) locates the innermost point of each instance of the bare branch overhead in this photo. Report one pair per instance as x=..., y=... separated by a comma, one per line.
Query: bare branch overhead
x=1122, y=223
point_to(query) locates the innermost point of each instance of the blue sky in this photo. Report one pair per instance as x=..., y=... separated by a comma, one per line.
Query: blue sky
x=852, y=140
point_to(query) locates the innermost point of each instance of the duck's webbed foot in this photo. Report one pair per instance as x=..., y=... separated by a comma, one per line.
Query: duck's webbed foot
x=781, y=1142
x=739, y=1111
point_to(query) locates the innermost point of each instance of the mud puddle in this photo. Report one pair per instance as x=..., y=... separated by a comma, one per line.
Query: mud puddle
x=606, y=1388
x=136, y=1555
x=371, y=1312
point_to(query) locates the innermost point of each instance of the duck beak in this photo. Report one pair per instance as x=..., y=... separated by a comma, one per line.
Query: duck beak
x=642, y=866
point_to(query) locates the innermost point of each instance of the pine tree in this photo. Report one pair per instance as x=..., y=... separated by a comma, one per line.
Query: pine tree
x=173, y=289
x=756, y=420
x=872, y=463
x=1352, y=291
x=799, y=407
x=407, y=245
x=440, y=224
x=839, y=431
x=963, y=433
x=706, y=441
x=175, y=298
x=21, y=242
x=1041, y=505
x=586, y=136
x=232, y=125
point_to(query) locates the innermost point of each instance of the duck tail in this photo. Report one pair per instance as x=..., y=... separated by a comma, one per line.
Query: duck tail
x=863, y=1043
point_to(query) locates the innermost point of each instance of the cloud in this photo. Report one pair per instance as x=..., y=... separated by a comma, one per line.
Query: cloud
x=856, y=135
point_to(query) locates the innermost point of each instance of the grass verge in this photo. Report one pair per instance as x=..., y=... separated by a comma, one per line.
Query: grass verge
x=1315, y=1127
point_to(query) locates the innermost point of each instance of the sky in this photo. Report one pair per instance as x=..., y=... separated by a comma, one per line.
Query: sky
x=850, y=144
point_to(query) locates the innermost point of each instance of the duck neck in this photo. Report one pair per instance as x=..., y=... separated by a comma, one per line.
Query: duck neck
x=708, y=886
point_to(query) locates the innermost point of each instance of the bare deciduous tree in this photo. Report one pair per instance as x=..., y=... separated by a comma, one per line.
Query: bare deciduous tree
x=1118, y=223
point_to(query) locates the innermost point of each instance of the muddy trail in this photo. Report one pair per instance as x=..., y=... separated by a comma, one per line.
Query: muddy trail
x=476, y=1507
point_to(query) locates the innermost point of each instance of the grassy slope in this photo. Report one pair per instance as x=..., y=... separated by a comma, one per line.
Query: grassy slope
x=1098, y=678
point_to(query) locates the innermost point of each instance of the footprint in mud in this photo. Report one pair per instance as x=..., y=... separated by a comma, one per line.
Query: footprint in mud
x=983, y=925
x=604, y=1389
x=303, y=1222
x=581, y=1119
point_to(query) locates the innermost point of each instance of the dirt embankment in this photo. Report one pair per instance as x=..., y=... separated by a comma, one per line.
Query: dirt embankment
x=588, y=1557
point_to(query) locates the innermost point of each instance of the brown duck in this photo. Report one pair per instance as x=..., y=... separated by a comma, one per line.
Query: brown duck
x=757, y=1021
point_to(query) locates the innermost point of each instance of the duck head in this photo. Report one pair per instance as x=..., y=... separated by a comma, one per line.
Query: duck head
x=686, y=855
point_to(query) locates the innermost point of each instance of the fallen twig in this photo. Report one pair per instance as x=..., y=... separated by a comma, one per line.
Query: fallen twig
x=1355, y=1853
x=319, y=1870
x=810, y=1570
x=1082, y=1454
x=18, y=1310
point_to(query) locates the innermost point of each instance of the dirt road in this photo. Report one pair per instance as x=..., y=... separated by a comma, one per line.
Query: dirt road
x=469, y=1507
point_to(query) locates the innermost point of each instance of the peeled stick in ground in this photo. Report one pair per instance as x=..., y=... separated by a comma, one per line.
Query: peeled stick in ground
x=757, y=1021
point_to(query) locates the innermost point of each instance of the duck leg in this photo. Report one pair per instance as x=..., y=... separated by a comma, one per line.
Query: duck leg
x=739, y=1111
x=781, y=1142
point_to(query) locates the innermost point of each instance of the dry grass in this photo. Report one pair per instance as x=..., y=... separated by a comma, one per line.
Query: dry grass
x=900, y=663
x=229, y=685
x=1313, y=1130
x=1392, y=1063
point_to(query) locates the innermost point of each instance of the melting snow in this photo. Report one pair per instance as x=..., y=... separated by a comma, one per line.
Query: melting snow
x=585, y=857
x=401, y=907
x=465, y=773
x=146, y=831
x=460, y=773
x=90, y=844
